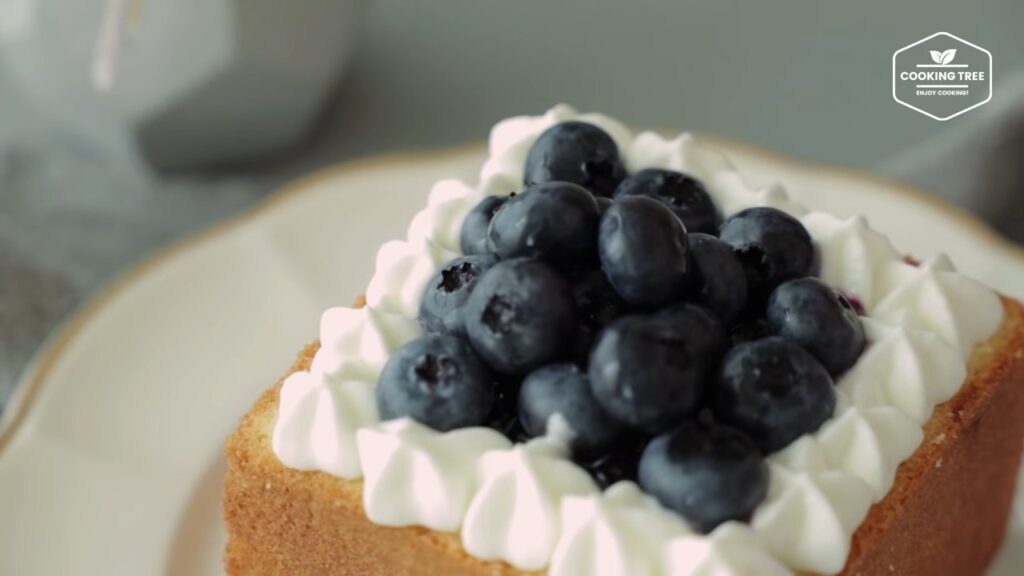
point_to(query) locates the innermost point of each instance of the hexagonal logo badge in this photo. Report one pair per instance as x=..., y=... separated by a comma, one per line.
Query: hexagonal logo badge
x=942, y=76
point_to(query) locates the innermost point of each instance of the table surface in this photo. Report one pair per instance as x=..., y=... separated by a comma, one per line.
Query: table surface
x=809, y=80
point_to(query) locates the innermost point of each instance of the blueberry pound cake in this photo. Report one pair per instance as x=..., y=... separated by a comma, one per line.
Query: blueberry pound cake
x=613, y=356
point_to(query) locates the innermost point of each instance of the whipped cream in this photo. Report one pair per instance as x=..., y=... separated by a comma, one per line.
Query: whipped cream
x=809, y=516
x=356, y=342
x=852, y=257
x=440, y=223
x=732, y=548
x=935, y=298
x=324, y=415
x=516, y=516
x=904, y=368
x=402, y=272
x=869, y=443
x=622, y=532
x=416, y=476
x=529, y=504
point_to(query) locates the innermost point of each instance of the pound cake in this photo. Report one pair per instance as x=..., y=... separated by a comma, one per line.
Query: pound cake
x=614, y=356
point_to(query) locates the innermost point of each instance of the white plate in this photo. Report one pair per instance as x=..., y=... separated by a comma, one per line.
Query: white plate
x=111, y=460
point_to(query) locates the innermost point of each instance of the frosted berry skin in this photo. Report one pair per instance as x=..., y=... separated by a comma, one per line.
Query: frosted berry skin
x=473, y=236
x=437, y=380
x=564, y=390
x=553, y=221
x=444, y=299
x=815, y=316
x=576, y=152
x=719, y=281
x=520, y=316
x=707, y=473
x=684, y=195
x=772, y=246
x=644, y=252
x=648, y=372
x=774, y=391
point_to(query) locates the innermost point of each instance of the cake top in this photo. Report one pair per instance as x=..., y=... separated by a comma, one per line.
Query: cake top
x=616, y=337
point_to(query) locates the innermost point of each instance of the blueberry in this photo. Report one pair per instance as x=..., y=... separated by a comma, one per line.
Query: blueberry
x=473, y=237
x=719, y=281
x=708, y=473
x=706, y=334
x=439, y=381
x=686, y=196
x=603, y=204
x=773, y=390
x=772, y=245
x=644, y=251
x=648, y=372
x=597, y=304
x=564, y=390
x=445, y=296
x=520, y=316
x=814, y=316
x=575, y=152
x=554, y=221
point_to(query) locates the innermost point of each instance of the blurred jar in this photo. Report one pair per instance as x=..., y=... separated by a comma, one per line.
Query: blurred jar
x=190, y=82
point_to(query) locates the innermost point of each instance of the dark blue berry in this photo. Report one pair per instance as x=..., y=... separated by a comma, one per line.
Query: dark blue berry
x=649, y=372
x=719, y=281
x=707, y=335
x=437, y=380
x=644, y=251
x=473, y=237
x=603, y=204
x=445, y=296
x=575, y=152
x=554, y=221
x=597, y=304
x=814, y=316
x=772, y=245
x=686, y=196
x=773, y=390
x=563, y=391
x=520, y=316
x=708, y=473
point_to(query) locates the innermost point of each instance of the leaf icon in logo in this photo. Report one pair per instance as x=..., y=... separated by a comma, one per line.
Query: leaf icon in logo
x=936, y=56
x=948, y=56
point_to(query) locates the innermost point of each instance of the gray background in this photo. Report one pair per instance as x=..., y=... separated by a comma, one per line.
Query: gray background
x=810, y=79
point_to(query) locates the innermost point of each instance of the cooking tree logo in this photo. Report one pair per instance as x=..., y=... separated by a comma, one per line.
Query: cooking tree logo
x=942, y=76
x=943, y=57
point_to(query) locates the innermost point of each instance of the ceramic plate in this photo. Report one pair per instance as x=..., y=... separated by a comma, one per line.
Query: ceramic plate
x=110, y=462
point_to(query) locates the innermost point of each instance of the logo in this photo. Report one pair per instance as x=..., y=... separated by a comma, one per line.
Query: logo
x=942, y=76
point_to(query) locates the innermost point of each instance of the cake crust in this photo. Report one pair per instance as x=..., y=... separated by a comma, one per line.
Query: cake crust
x=946, y=513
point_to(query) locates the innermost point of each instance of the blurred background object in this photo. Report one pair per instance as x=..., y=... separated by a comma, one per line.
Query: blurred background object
x=190, y=82
x=91, y=182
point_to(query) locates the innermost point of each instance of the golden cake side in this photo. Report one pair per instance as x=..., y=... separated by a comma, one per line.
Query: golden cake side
x=945, y=514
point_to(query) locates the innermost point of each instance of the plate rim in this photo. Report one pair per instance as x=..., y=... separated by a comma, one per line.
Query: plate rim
x=28, y=386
